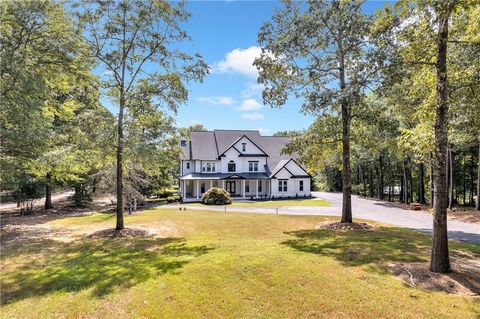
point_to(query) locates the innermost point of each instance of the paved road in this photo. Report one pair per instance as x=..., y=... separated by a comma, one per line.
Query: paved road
x=379, y=211
x=38, y=202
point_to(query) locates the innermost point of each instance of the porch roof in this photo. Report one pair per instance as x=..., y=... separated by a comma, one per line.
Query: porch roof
x=220, y=176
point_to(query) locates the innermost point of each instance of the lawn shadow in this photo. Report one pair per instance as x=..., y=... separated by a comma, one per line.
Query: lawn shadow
x=102, y=265
x=374, y=248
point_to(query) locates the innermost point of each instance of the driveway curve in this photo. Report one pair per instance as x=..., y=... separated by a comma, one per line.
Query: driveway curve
x=378, y=211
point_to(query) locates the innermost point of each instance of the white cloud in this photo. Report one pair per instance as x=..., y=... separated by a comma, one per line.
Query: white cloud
x=250, y=105
x=240, y=61
x=252, y=116
x=252, y=89
x=216, y=100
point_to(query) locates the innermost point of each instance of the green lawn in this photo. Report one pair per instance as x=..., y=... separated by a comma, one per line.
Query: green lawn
x=217, y=265
x=277, y=203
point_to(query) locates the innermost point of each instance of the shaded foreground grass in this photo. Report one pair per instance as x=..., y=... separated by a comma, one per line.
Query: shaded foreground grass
x=217, y=265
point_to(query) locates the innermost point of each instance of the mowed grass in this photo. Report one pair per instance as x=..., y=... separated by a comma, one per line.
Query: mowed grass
x=275, y=203
x=220, y=265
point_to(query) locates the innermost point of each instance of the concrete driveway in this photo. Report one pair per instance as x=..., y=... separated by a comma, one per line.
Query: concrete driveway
x=379, y=211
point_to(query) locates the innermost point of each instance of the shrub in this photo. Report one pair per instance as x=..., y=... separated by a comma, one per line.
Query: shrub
x=165, y=192
x=171, y=199
x=216, y=196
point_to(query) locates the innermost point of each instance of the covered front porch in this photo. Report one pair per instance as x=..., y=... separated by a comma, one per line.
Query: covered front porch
x=193, y=189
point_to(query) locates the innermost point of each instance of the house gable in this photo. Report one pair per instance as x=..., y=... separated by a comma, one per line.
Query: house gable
x=245, y=147
x=290, y=166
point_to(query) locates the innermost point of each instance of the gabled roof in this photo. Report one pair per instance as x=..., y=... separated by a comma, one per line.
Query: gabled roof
x=211, y=144
x=236, y=141
x=283, y=165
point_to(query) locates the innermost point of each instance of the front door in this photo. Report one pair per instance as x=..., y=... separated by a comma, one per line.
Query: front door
x=230, y=187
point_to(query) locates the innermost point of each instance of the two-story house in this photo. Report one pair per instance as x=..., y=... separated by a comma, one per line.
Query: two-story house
x=244, y=163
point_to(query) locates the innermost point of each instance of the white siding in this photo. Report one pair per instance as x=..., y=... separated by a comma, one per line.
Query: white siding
x=295, y=169
x=186, y=171
x=250, y=148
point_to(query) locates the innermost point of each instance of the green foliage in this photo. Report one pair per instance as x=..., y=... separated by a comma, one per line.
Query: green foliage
x=216, y=196
x=165, y=192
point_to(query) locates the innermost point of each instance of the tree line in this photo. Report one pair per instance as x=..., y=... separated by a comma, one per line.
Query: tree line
x=57, y=61
x=395, y=97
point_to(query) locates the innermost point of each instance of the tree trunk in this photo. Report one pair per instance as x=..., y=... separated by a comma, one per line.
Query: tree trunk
x=402, y=189
x=450, y=178
x=410, y=186
x=421, y=184
x=471, y=201
x=380, y=168
x=464, y=179
x=405, y=182
x=120, y=224
x=440, y=261
x=478, y=180
x=371, y=187
x=432, y=195
x=346, y=186
x=48, y=191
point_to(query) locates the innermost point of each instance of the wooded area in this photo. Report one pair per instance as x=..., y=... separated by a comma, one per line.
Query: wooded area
x=396, y=96
x=392, y=93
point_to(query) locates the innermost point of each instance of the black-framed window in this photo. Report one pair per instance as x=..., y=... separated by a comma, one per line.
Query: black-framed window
x=259, y=186
x=231, y=166
x=213, y=167
x=247, y=187
x=244, y=147
x=301, y=186
x=202, y=188
x=253, y=166
x=209, y=167
x=282, y=185
x=188, y=165
x=203, y=168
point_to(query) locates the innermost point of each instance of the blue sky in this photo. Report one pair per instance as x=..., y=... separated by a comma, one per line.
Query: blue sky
x=225, y=33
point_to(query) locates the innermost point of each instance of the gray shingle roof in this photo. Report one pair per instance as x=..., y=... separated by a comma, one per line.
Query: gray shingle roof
x=209, y=145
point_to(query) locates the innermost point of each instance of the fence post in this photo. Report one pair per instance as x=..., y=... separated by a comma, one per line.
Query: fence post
x=276, y=209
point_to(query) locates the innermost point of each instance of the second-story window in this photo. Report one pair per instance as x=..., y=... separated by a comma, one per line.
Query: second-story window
x=188, y=165
x=253, y=166
x=244, y=147
x=231, y=166
x=213, y=167
x=209, y=168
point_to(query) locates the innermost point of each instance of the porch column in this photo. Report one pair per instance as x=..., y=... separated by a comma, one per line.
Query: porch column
x=184, y=189
x=256, y=187
x=223, y=184
x=211, y=182
x=198, y=188
x=243, y=188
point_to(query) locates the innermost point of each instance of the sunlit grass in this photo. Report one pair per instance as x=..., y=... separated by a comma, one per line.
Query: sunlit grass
x=220, y=265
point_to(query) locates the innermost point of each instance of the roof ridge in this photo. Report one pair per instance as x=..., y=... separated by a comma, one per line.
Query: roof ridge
x=236, y=130
x=216, y=144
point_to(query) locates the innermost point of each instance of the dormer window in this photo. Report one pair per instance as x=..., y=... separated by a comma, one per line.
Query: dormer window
x=244, y=147
x=231, y=166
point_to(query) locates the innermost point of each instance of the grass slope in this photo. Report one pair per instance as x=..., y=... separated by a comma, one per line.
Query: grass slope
x=217, y=265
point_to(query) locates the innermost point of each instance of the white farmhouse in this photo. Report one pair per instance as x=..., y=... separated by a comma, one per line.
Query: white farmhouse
x=244, y=163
